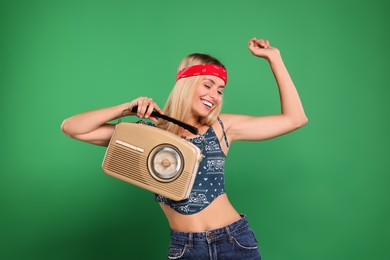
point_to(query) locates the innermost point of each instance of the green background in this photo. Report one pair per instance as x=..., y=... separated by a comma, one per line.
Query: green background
x=318, y=193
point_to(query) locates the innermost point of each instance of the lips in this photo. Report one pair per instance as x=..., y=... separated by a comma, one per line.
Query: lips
x=207, y=103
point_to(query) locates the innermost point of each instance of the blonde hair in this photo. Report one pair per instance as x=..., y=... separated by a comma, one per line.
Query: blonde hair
x=179, y=101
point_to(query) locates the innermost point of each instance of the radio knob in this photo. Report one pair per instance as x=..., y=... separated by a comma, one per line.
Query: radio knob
x=166, y=163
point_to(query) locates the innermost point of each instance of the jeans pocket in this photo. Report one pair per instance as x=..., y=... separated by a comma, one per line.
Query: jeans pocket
x=176, y=251
x=246, y=240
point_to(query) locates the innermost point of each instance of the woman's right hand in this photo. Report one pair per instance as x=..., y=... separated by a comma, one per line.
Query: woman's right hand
x=145, y=106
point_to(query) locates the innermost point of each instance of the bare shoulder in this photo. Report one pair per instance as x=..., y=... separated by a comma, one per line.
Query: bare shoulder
x=227, y=120
x=221, y=128
x=231, y=121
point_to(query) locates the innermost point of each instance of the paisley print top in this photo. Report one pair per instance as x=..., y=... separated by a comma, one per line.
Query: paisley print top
x=209, y=182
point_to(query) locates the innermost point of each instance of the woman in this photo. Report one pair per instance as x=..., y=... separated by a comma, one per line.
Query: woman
x=206, y=225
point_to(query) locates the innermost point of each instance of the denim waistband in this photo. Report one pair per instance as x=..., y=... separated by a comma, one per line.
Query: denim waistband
x=213, y=235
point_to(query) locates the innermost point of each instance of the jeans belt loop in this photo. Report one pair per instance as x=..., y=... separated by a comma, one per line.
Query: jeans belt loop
x=190, y=239
x=229, y=234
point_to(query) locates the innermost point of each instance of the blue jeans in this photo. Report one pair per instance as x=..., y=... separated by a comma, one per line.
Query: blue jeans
x=235, y=241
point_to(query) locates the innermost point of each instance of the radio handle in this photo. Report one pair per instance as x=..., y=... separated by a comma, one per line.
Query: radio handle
x=188, y=127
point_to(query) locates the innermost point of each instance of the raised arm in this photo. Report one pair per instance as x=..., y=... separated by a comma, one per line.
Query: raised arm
x=292, y=116
x=93, y=126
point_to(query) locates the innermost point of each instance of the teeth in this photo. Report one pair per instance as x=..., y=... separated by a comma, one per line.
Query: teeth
x=207, y=103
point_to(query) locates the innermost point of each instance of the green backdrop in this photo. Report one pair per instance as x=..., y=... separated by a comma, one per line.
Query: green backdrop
x=318, y=193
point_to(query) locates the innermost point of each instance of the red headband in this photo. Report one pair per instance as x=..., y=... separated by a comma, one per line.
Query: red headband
x=203, y=69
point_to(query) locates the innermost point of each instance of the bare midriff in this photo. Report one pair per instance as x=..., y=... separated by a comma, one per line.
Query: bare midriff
x=218, y=214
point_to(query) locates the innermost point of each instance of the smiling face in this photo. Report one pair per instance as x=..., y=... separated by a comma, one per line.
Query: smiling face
x=207, y=96
x=196, y=98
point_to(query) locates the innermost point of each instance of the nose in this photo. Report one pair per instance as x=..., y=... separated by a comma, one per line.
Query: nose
x=213, y=93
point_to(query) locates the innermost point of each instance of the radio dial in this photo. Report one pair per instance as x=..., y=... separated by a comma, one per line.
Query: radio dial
x=166, y=163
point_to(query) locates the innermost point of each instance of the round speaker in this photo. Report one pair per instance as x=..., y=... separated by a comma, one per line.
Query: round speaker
x=165, y=162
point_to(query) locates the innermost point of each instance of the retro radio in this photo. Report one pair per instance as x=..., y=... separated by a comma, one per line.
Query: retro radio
x=152, y=158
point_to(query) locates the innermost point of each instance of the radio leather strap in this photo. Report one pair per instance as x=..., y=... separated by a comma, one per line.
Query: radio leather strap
x=186, y=126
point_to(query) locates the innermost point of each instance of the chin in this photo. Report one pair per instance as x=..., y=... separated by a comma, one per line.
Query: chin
x=203, y=112
x=206, y=114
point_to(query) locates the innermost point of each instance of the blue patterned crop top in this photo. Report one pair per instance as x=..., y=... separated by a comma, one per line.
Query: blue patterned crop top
x=209, y=182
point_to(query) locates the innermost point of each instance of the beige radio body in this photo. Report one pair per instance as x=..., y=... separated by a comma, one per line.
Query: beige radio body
x=153, y=159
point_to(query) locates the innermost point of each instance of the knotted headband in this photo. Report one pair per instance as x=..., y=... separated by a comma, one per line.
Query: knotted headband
x=203, y=69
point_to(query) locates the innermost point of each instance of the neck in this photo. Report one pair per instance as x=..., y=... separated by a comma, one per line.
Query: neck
x=194, y=121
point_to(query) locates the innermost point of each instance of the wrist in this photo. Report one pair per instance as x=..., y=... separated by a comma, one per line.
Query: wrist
x=274, y=56
x=123, y=109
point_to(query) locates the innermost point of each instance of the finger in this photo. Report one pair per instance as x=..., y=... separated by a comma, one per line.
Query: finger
x=150, y=109
x=147, y=103
x=252, y=42
x=154, y=119
x=142, y=106
x=157, y=108
x=132, y=104
x=261, y=43
x=153, y=107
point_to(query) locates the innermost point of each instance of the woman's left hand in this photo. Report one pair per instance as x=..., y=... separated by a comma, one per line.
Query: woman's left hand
x=261, y=48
